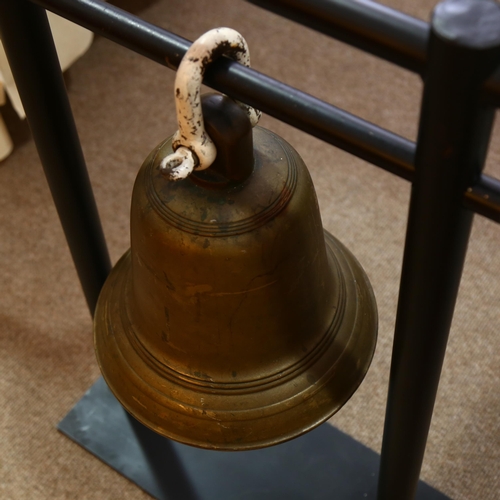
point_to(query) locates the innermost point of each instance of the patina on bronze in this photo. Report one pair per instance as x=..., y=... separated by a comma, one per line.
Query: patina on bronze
x=234, y=321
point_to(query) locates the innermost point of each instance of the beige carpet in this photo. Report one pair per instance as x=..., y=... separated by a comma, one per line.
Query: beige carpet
x=123, y=106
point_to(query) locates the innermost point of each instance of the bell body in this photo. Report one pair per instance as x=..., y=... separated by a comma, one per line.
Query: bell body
x=234, y=321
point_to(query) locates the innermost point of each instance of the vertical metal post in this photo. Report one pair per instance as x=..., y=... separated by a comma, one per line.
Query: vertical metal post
x=455, y=127
x=30, y=49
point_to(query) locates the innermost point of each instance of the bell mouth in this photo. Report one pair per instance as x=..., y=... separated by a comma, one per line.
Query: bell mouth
x=236, y=417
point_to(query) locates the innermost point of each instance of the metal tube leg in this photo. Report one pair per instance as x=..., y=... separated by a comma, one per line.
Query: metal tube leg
x=455, y=127
x=28, y=42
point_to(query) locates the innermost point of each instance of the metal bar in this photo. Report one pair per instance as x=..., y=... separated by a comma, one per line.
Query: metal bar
x=369, y=26
x=337, y=127
x=454, y=131
x=28, y=42
x=303, y=111
x=123, y=28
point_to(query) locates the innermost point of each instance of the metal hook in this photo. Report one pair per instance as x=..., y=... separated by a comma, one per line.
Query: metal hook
x=193, y=147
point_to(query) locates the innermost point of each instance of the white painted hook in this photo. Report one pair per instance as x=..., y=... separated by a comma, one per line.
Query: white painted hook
x=194, y=149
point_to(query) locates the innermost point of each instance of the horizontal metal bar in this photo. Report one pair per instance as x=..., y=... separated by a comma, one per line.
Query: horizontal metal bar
x=329, y=123
x=369, y=26
x=123, y=28
x=303, y=111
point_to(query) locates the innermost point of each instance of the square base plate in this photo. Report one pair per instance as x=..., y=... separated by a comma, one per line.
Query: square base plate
x=322, y=464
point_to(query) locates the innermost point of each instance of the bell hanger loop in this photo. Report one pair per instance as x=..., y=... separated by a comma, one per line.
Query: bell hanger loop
x=193, y=147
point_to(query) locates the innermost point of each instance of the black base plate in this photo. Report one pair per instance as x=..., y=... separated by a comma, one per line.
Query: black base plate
x=323, y=464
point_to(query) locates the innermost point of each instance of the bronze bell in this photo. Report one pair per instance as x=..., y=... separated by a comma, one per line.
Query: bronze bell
x=234, y=321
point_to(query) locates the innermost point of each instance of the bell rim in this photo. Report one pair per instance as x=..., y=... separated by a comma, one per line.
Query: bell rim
x=142, y=402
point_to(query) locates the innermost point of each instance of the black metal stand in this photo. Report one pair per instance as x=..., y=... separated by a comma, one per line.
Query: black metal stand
x=463, y=51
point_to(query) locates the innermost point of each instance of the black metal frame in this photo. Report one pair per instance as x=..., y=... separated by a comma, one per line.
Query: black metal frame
x=444, y=166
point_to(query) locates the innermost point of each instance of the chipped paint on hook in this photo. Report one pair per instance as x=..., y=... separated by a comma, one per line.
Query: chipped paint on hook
x=198, y=150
